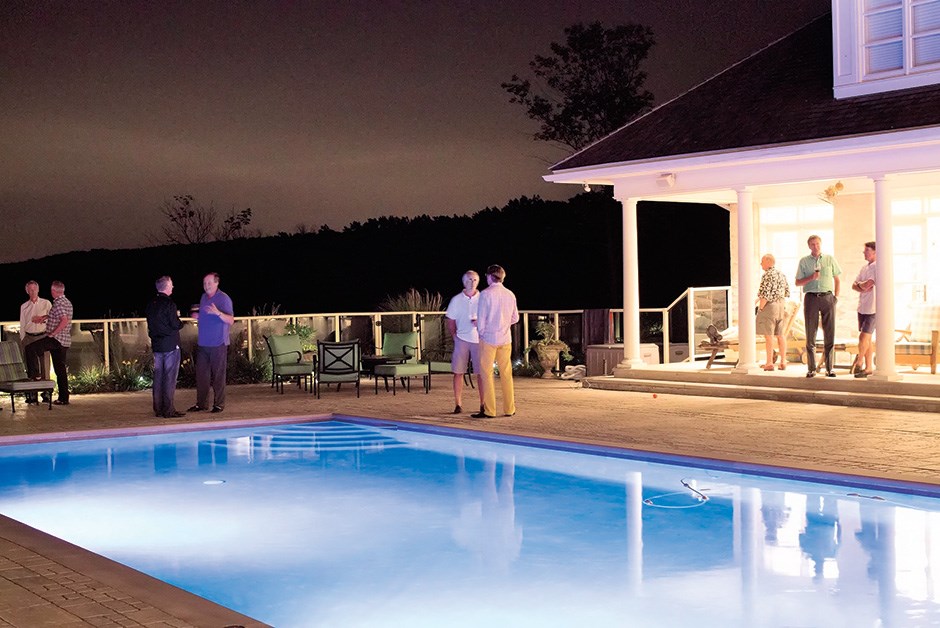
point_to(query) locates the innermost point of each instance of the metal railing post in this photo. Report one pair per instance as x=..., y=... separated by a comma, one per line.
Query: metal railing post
x=665, y=323
x=525, y=338
x=107, y=346
x=251, y=348
x=690, y=311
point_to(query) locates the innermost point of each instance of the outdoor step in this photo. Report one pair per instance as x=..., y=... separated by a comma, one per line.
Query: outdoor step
x=831, y=392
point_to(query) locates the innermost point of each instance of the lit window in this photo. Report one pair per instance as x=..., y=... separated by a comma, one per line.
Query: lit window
x=900, y=36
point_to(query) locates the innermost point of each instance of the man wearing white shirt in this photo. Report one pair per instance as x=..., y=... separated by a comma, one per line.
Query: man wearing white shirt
x=462, y=326
x=497, y=312
x=865, y=286
x=33, y=324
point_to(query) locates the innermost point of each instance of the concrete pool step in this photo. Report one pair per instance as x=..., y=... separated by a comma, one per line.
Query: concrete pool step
x=844, y=390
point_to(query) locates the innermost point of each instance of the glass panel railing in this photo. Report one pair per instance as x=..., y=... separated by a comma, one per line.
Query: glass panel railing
x=110, y=342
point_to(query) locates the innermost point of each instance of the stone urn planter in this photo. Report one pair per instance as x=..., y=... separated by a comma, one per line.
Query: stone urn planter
x=548, y=348
x=548, y=356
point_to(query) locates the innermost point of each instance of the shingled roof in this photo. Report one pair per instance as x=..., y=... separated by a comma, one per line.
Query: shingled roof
x=782, y=94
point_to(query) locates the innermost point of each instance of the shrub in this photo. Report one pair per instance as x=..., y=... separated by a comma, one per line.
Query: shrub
x=92, y=379
x=532, y=369
x=129, y=375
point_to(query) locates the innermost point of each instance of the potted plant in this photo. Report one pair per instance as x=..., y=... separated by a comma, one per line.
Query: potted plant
x=306, y=333
x=548, y=348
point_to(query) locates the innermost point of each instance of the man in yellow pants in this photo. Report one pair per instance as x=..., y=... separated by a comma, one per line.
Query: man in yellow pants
x=497, y=311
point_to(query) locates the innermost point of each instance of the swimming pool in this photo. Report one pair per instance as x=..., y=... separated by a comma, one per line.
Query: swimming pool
x=358, y=523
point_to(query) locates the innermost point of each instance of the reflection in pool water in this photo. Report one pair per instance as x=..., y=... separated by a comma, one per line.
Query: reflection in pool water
x=347, y=524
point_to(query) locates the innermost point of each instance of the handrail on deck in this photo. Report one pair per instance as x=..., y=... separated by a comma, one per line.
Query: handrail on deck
x=107, y=326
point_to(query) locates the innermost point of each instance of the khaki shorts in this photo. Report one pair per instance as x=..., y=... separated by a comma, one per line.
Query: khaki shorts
x=465, y=352
x=770, y=319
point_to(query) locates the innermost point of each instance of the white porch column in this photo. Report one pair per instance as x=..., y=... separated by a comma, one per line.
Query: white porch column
x=631, y=291
x=884, y=285
x=747, y=288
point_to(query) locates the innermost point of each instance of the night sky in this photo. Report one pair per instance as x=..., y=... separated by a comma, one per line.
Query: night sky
x=308, y=112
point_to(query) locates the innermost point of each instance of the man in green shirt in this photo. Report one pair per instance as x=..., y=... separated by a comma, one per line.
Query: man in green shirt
x=818, y=275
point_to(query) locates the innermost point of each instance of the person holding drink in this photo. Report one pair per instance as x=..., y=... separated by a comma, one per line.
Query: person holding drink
x=461, y=320
x=818, y=275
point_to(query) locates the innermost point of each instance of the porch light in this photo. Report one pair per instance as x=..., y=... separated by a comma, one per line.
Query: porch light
x=666, y=180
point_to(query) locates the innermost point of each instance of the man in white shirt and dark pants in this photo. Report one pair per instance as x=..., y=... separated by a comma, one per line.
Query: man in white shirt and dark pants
x=33, y=325
x=497, y=312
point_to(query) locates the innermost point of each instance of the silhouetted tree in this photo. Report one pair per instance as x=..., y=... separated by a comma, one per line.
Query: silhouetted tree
x=590, y=86
x=188, y=222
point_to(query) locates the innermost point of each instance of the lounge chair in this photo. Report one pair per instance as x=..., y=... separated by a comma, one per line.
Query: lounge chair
x=727, y=339
x=918, y=344
x=402, y=347
x=287, y=361
x=13, y=378
x=337, y=363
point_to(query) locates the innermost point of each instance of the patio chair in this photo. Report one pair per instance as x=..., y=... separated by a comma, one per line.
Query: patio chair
x=337, y=363
x=403, y=348
x=443, y=366
x=13, y=378
x=918, y=344
x=287, y=361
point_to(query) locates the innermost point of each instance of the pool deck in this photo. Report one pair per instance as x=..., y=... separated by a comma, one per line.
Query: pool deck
x=46, y=582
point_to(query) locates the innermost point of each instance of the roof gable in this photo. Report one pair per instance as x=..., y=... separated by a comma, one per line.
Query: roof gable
x=780, y=95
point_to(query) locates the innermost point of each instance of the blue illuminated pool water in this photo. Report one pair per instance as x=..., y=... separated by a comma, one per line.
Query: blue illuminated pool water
x=350, y=524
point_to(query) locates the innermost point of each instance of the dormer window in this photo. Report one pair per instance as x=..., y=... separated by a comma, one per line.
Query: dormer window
x=901, y=35
x=884, y=45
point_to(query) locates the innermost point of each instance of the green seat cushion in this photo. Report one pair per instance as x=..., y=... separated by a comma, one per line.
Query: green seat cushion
x=401, y=370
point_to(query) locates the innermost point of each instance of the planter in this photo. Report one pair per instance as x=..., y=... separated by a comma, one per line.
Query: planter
x=548, y=358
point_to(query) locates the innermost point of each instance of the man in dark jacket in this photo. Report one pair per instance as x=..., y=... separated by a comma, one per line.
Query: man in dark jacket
x=163, y=326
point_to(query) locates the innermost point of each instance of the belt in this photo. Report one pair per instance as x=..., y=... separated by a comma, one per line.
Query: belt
x=820, y=294
x=41, y=333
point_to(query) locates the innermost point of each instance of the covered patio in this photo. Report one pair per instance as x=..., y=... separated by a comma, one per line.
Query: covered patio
x=767, y=140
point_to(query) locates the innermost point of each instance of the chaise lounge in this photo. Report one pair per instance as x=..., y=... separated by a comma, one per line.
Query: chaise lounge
x=13, y=378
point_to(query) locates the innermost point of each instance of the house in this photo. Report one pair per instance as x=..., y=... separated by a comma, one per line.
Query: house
x=832, y=130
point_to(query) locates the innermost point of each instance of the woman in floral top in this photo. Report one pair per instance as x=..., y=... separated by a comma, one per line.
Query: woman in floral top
x=771, y=311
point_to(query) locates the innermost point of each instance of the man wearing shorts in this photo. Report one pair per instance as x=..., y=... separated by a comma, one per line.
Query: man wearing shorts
x=462, y=326
x=771, y=311
x=865, y=286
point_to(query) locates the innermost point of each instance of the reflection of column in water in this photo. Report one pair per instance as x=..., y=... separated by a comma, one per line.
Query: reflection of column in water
x=820, y=538
x=877, y=537
x=164, y=457
x=751, y=545
x=634, y=511
x=212, y=452
x=487, y=521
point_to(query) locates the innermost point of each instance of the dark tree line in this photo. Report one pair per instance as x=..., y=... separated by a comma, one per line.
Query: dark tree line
x=558, y=255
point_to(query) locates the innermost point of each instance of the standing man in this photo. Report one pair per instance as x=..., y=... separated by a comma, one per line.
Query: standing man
x=771, y=310
x=163, y=327
x=497, y=311
x=33, y=327
x=865, y=286
x=214, y=318
x=462, y=326
x=818, y=274
x=57, y=340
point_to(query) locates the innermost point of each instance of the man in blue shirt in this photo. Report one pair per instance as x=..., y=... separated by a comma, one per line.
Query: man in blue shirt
x=818, y=275
x=214, y=318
